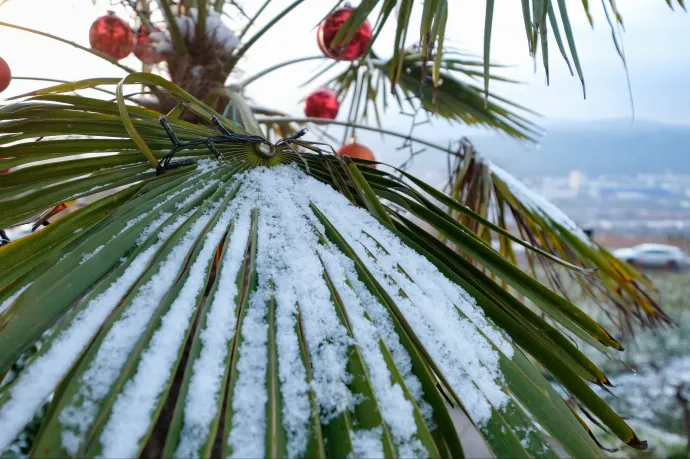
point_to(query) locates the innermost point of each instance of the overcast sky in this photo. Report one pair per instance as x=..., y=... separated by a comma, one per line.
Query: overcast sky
x=656, y=43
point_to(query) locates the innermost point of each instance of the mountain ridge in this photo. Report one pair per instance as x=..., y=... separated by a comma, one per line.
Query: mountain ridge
x=603, y=147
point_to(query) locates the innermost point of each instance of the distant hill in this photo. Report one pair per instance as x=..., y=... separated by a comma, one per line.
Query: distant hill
x=611, y=147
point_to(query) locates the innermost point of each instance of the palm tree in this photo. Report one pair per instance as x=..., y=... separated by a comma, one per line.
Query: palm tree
x=258, y=295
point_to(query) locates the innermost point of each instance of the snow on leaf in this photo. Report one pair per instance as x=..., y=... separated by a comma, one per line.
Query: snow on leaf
x=463, y=354
x=538, y=204
x=367, y=443
x=8, y=302
x=43, y=374
x=134, y=406
x=396, y=410
x=286, y=256
x=250, y=396
x=114, y=350
x=289, y=268
x=209, y=368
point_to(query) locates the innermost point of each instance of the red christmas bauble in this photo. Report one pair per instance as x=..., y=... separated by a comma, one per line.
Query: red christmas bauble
x=322, y=103
x=144, y=50
x=112, y=36
x=5, y=75
x=357, y=151
x=330, y=27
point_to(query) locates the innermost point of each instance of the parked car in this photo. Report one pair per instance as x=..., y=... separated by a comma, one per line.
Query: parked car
x=654, y=256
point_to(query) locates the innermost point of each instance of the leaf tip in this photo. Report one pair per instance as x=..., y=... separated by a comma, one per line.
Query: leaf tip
x=638, y=444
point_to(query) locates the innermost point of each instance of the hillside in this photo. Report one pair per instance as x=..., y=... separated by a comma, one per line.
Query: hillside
x=600, y=148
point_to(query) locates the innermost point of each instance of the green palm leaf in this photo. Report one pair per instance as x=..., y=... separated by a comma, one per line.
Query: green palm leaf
x=626, y=295
x=432, y=31
x=273, y=303
x=456, y=97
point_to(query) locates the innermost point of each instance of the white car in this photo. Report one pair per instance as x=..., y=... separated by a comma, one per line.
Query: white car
x=654, y=256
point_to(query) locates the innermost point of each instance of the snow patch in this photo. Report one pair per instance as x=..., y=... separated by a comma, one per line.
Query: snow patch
x=114, y=350
x=8, y=302
x=41, y=376
x=216, y=31
x=249, y=397
x=133, y=408
x=397, y=411
x=367, y=443
x=538, y=204
x=203, y=397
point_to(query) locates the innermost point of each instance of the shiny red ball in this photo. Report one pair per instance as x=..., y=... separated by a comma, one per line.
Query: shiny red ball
x=112, y=36
x=5, y=75
x=357, y=151
x=330, y=27
x=322, y=103
x=144, y=50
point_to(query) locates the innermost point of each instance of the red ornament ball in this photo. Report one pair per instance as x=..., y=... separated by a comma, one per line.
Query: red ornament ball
x=357, y=151
x=112, y=36
x=144, y=50
x=5, y=75
x=322, y=103
x=330, y=27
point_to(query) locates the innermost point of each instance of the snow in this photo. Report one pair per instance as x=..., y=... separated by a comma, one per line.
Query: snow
x=290, y=253
x=90, y=255
x=216, y=31
x=8, y=302
x=138, y=218
x=77, y=418
x=45, y=371
x=153, y=226
x=656, y=383
x=397, y=411
x=466, y=358
x=249, y=397
x=208, y=370
x=538, y=204
x=367, y=443
x=41, y=376
x=286, y=242
x=386, y=329
x=134, y=407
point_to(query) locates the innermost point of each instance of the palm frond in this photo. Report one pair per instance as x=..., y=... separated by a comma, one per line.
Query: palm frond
x=536, y=14
x=456, y=97
x=625, y=295
x=268, y=304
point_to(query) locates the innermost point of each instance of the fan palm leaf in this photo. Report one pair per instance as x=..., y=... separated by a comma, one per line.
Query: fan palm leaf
x=455, y=98
x=624, y=294
x=432, y=30
x=274, y=303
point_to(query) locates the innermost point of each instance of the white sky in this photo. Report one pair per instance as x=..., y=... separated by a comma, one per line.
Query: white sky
x=656, y=43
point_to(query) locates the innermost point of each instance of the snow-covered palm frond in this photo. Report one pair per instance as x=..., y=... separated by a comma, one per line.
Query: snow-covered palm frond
x=625, y=295
x=264, y=305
